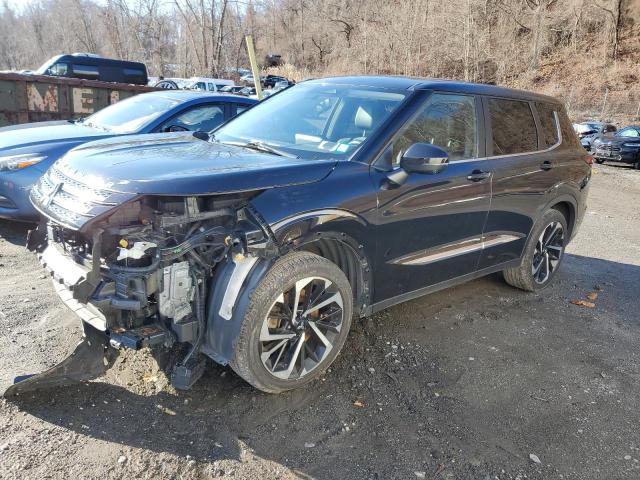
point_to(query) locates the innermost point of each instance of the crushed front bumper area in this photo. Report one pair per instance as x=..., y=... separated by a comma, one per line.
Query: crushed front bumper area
x=159, y=272
x=91, y=358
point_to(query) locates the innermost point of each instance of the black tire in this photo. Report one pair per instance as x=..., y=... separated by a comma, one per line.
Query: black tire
x=272, y=294
x=637, y=165
x=599, y=161
x=525, y=276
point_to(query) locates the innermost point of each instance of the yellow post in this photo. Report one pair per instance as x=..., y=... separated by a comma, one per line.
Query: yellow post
x=254, y=65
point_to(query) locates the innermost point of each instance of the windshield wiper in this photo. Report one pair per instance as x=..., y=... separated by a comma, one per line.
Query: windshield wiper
x=262, y=147
x=93, y=125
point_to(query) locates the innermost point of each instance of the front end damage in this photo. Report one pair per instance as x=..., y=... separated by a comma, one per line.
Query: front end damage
x=153, y=271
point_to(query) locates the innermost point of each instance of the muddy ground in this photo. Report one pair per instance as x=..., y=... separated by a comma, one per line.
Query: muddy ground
x=466, y=383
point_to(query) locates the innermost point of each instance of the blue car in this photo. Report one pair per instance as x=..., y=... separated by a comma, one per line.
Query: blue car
x=27, y=150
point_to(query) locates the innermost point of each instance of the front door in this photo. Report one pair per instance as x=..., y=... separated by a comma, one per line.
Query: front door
x=429, y=229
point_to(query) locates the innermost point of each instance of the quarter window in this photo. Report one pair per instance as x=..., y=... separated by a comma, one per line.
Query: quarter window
x=446, y=121
x=513, y=127
x=547, y=115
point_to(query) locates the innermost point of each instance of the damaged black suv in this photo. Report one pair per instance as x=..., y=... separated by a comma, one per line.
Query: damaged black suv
x=336, y=198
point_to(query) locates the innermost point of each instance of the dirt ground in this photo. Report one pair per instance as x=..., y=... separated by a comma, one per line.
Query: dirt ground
x=466, y=383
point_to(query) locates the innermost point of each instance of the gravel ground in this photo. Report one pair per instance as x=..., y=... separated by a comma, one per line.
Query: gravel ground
x=480, y=381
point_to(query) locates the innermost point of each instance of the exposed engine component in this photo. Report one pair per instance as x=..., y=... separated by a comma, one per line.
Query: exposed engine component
x=176, y=296
x=143, y=272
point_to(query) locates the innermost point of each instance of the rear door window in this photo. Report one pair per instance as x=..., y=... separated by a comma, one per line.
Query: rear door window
x=549, y=124
x=513, y=128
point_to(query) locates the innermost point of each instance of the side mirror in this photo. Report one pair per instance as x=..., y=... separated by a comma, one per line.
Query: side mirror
x=176, y=128
x=201, y=135
x=424, y=158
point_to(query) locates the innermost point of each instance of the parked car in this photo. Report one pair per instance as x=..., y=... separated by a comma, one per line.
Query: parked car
x=622, y=146
x=282, y=84
x=248, y=79
x=94, y=67
x=232, y=89
x=247, y=92
x=335, y=197
x=27, y=150
x=208, y=84
x=588, y=131
x=271, y=80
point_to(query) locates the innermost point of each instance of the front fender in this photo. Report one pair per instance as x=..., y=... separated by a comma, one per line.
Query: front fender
x=231, y=290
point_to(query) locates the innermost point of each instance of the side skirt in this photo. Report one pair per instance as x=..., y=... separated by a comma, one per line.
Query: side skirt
x=389, y=302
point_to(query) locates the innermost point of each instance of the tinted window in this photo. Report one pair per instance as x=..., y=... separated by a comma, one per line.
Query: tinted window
x=203, y=118
x=90, y=71
x=546, y=113
x=134, y=72
x=513, y=127
x=447, y=121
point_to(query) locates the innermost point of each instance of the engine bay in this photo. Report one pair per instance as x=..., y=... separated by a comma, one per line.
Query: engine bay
x=146, y=268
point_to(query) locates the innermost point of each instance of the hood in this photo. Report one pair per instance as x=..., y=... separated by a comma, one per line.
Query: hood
x=180, y=164
x=28, y=138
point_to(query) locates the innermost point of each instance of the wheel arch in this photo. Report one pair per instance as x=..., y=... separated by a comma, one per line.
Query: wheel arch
x=337, y=235
x=325, y=233
x=567, y=206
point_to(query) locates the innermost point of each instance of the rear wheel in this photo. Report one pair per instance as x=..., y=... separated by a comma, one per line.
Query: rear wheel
x=296, y=324
x=543, y=254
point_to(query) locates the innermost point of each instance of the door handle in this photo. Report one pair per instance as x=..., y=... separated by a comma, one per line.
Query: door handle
x=546, y=165
x=478, y=175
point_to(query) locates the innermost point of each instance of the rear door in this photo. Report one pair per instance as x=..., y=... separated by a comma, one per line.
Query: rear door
x=522, y=154
x=429, y=229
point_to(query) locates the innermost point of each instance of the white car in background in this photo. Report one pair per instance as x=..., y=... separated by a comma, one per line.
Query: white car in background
x=208, y=84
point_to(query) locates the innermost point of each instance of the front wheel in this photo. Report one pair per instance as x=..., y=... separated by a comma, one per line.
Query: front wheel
x=542, y=255
x=296, y=324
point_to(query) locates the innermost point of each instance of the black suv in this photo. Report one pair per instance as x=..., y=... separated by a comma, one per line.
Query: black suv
x=94, y=67
x=336, y=198
x=621, y=146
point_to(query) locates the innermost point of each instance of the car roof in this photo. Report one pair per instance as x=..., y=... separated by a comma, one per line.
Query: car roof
x=189, y=95
x=409, y=83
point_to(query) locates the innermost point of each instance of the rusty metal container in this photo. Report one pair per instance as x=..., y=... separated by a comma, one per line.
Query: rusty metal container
x=36, y=98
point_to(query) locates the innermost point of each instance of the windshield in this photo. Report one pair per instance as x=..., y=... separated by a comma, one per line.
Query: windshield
x=314, y=120
x=588, y=127
x=132, y=114
x=45, y=66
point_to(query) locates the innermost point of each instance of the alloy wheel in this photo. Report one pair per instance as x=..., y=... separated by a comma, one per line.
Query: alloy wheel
x=548, y=252
x=301, y=328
